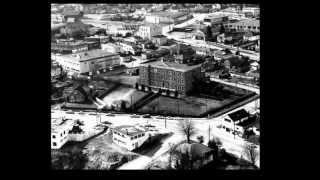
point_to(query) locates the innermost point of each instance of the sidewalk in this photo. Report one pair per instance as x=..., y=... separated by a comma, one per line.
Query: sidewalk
x=139, y=163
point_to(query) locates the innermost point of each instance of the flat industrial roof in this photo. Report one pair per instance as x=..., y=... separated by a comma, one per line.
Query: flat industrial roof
x=88, y=55
x=169, y=14
x=171, y=65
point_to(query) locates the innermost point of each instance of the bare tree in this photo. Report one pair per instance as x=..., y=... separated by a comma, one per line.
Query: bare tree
x=187, y=128
x=251, y=153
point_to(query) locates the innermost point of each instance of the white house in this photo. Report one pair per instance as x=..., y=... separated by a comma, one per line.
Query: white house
x=59, y=132
x=130, y=137
x=236, y=122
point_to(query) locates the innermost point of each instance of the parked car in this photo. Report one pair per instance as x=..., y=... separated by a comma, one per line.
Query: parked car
x=149, y=125
x=146, y=116
x=82, y=113
x=135, y=116
x=110, y=114
x=106, y=122
x=160, y=117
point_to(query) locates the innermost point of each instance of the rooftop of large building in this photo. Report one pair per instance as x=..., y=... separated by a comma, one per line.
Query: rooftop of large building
x=171, y=65
x=169, y=14
x=69, y=42
x=88, y=55
x=248, y=21
x=215, y=16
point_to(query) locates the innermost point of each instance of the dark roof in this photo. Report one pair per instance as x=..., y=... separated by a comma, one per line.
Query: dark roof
x=195, y=149
x=235, y=116
x=159, y=36
x=199, y=150
x=247, y=123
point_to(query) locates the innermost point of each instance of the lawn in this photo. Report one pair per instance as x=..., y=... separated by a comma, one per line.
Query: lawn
x=195, y=105
x=189, y=106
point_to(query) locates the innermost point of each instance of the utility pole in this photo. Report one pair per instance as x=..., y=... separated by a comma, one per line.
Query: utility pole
x=234, y=130
x=209, y=133
x=165, y=122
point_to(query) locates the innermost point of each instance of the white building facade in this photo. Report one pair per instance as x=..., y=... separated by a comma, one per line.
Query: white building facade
x=129, y=137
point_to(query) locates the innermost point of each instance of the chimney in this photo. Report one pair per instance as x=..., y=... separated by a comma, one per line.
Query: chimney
x=127, y=131
x=162, y=59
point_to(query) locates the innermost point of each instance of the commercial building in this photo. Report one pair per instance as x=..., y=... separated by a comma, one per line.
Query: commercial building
x=253, y=11
x=159, y=40
x=167, y=17
x=130, y=47
x=215, y=19
x=115, y=27
x=57, y=18
x=148, y=30
x=68, y=46
x=244, y=25
x=96, y=38
x=203, y=51
x=89, y=61
x=168, y=78
x=111, y=47
x=129, y=137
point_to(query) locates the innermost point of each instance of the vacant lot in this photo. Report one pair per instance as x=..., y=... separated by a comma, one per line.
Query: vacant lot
x=194, y=105
x=189, y=106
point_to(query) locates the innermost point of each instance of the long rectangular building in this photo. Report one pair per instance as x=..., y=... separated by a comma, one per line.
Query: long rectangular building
x=167, y=17
x=89, y=61
x=244, y=25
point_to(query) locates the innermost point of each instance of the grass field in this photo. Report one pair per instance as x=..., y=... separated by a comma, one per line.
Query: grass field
x=190, y=105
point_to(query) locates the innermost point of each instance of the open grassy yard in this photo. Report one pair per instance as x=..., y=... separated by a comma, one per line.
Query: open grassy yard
x=189, y=106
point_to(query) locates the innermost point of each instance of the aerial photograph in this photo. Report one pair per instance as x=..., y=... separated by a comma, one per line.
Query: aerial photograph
x=155, y=86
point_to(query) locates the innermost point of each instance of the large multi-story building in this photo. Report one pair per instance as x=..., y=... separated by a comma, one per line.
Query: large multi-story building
x=148, y=30
x=244, y=25
x=168, y=78
x=89, y=61
x=167, y=17
x=115, y=27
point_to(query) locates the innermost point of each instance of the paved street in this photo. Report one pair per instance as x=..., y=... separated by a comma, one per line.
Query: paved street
x=256, y=90
x=231, y=144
